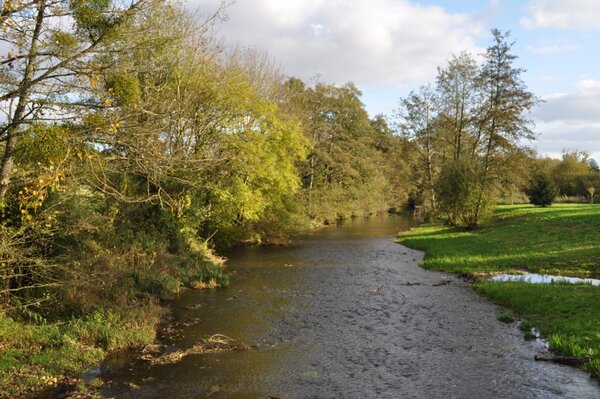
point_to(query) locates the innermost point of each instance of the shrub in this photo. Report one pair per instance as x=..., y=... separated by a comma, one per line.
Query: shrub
x=463, y=198
x=542, y=191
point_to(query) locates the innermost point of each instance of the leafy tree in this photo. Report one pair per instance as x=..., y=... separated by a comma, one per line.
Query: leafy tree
x=572, y=174
x=343, y=174
x=55, y=51
x=419, y=119
x=459, y=97
x=502, y=121
x=457, y=188
x=472, y=124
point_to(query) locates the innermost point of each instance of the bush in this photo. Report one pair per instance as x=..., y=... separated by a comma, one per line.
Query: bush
x=542, y=191
x=461, y=195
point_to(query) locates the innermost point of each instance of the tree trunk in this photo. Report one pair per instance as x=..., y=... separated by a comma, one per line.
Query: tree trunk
x=16, y=121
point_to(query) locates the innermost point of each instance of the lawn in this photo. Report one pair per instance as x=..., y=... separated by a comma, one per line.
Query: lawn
x=562, y=240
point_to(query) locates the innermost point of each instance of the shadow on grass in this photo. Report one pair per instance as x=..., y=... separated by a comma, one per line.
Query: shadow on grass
x=561, y=240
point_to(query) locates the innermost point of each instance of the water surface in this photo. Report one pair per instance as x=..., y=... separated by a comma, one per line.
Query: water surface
x=534, y=278
x=347, y=313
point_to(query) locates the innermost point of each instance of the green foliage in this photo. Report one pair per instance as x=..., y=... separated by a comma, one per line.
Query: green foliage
x=353, y=162
x=460, y=192
x=64, y=42
x=468, y=131
x=576, y=176
x=125, y=88
x=44, y=144
x=542, y=191
x=91, y=15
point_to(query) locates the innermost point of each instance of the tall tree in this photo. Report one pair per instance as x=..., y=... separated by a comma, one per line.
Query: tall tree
x=419, y=119
x=343, y=174
x=502, y=120
x=459, y=97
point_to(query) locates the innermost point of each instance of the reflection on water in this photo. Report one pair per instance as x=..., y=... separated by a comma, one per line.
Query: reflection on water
x=543, y=279
x=345, y=313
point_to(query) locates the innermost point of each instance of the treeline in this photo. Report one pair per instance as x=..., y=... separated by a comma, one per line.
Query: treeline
x=133, y=143
x=576, y=176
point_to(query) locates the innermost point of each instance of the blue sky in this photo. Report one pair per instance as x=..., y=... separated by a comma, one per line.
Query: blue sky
x=388, y=47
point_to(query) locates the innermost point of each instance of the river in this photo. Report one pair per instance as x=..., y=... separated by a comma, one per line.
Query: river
x=346, y=313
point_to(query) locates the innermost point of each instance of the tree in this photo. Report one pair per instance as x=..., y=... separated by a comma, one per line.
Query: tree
x=459, y=97
x=56, y=51
x=343, y=174
x=591, y=191
x=573, y=174
x=502, y=123
x=458, y=191
x=419, y=116
x=542, y=190
x=472, y=124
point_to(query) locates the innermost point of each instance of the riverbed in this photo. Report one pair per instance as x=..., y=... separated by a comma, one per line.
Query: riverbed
x=346, y=313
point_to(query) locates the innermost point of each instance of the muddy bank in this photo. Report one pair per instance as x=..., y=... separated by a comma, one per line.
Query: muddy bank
x=347, y=314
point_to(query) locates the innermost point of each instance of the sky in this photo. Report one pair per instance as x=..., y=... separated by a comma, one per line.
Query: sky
x=389, y=47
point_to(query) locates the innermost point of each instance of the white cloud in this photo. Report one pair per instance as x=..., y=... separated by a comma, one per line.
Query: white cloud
x=580, y=106
x=553, y=48
x=570, y=120
x=583, y=14
x=368, y=42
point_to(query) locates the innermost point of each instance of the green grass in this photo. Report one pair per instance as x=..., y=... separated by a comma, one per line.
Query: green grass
x=52, y=345
x=35, y=357
x=569, y=315
x=561, y=240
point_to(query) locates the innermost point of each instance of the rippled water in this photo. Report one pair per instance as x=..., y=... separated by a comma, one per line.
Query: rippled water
x=347, y=313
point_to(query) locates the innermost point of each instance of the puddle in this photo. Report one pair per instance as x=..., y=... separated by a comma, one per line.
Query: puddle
x=544, y=279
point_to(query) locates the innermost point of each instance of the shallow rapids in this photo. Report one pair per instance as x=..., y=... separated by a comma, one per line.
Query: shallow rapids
x=346, y=313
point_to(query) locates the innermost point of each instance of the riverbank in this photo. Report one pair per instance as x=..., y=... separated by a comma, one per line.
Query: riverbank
x=48, y=356
x=346, y=313
x=561, y=240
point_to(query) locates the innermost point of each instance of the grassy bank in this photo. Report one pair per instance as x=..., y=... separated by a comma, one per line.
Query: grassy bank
x=41, y=356
x=50, y=353
x=560, y=240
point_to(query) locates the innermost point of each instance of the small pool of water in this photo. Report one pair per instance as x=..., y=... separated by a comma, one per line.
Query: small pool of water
x=534, y=278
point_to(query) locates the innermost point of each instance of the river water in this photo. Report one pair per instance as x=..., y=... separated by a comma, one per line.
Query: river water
x=347, y=313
